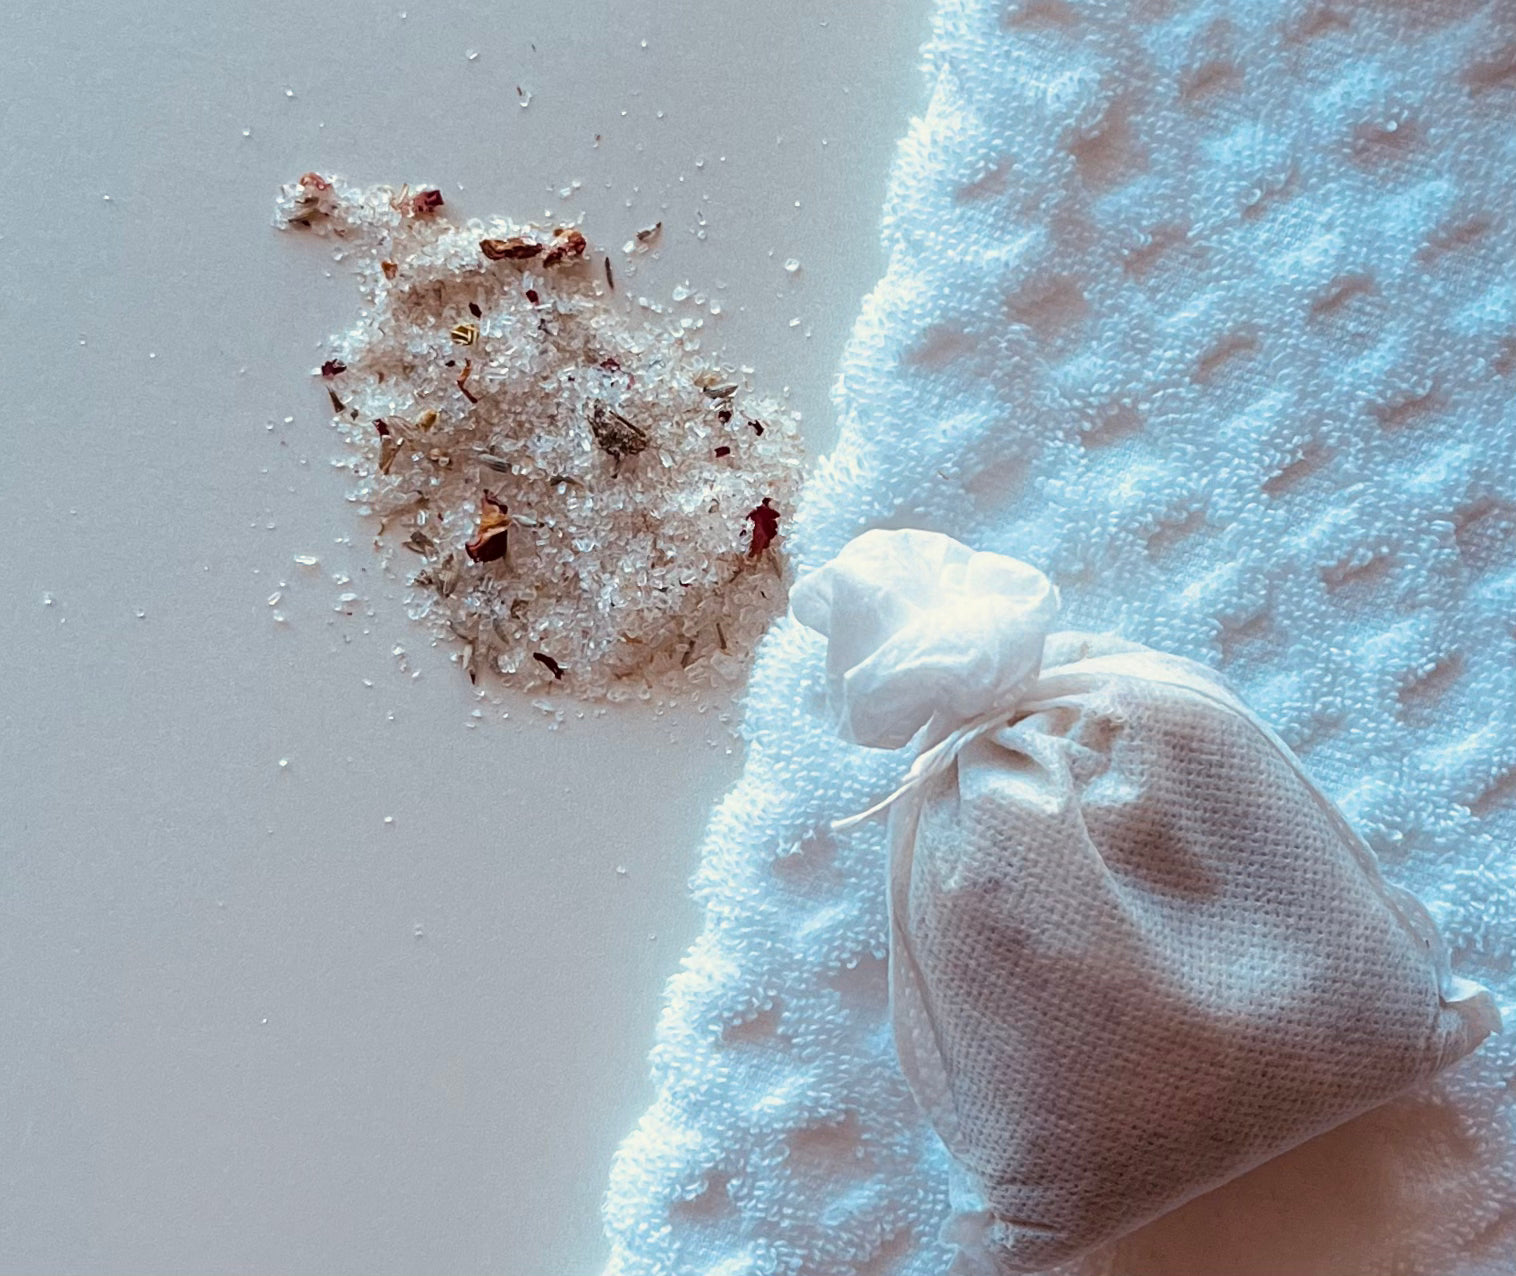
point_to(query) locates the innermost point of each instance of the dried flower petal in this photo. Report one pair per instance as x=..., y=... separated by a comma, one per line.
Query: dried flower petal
x=333, y=368
x=490, y=540
x=723, y=451
x=337, y=404
x=424, y=203
x=567, y=242
x=765, y=521
x=514, y=249
x=389, y=268
x=464, y=334
x=427, y=419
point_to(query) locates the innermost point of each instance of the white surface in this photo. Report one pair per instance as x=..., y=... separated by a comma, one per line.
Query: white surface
x=223, y=1046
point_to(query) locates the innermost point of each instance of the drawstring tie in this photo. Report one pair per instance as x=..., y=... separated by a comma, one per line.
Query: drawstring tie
x=931, y=763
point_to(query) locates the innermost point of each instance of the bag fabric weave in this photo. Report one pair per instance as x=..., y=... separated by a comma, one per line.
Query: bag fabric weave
x=1135, y=951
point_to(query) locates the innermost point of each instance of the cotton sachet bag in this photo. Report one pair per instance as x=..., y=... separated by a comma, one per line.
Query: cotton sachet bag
x=1134, y=950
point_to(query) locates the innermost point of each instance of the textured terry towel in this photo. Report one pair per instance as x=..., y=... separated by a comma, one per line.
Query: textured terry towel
x=1208, y=309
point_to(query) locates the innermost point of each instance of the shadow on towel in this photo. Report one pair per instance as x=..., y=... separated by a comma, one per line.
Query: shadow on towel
x=1374, y=1197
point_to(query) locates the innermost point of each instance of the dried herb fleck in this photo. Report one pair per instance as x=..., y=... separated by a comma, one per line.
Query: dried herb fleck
x=757, y=426
x=468, y=368
x=553, y=667
x=473, y=309
x=723, y=451
x=443, y=577
x=389, y=268
x=648, y=232
x=531, y=295
x=765, y=521
x=614, y=434
x=491, y=538
x=337, y=404
x=515, y=248
x=333, y=368
x=389, y=445
x=610, y=277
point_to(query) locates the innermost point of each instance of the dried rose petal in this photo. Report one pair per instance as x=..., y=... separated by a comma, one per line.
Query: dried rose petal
x=314, y=182
x=514, y=249
x=333, y=368
x=424, y=203
x=765, y=521
x=390, y=269
x=490, y=540
x=569, y=243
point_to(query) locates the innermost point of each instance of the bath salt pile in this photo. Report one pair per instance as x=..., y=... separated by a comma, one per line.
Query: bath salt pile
x=578, y=497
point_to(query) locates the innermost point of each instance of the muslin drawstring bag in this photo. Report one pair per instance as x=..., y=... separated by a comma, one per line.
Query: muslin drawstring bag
x=1134, y=950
